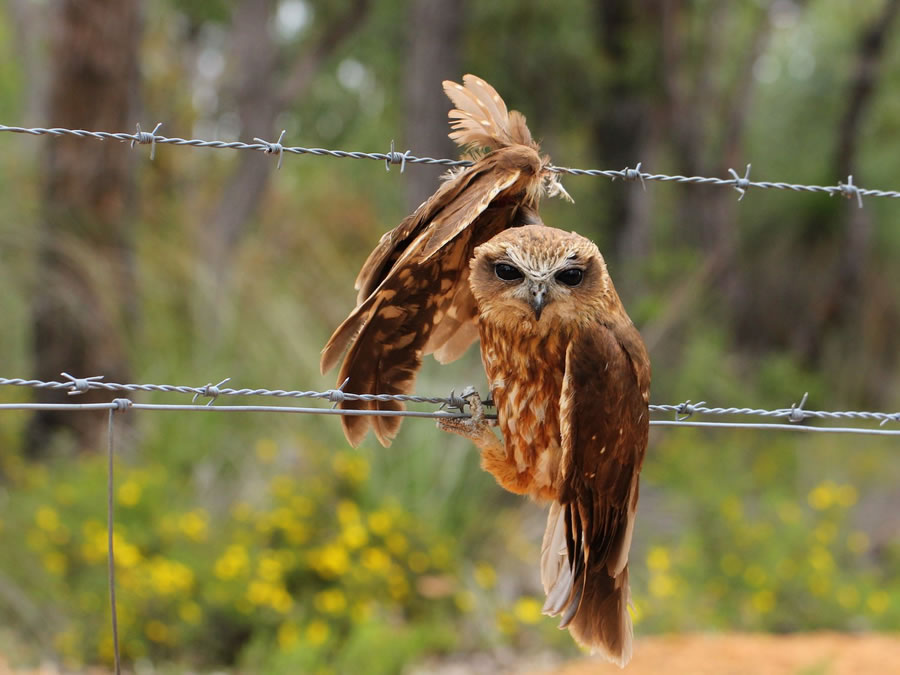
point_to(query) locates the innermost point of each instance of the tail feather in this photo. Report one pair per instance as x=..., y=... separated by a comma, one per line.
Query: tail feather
x=591, y=602
x=481, y=119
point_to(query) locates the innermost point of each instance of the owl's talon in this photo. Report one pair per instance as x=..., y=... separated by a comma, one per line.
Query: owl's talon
x=475, y=427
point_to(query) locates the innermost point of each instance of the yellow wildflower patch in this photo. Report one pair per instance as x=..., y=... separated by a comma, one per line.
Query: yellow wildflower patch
x=658, y=559
x=317, y=632
x=129, y=493
x=527, y=610
x=485, y=576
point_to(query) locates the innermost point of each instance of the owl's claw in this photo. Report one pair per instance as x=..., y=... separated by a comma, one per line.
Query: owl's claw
x=475, y=427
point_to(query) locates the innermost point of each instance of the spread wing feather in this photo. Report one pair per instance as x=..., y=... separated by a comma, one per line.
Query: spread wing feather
x=604, y=429
x=413, y=291
x=481, y=119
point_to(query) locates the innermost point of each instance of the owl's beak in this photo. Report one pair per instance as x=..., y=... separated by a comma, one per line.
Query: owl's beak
x=538, y=299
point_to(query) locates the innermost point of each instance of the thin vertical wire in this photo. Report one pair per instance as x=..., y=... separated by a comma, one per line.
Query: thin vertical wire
x=109, y=533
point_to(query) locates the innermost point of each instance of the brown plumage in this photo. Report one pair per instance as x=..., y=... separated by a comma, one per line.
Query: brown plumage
x=570, y=378
x=414, y=296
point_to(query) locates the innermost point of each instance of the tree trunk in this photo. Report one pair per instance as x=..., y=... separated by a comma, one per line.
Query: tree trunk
x=83, y=304
x=435, y=28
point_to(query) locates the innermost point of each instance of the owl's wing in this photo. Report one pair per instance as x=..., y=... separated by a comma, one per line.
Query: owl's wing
x=604, y=427
x=426, y=287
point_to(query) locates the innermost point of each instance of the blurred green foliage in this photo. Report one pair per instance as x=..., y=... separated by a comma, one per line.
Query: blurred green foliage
x=261, y=542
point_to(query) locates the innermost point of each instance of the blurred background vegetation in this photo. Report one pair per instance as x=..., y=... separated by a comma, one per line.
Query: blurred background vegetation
x=262, y=542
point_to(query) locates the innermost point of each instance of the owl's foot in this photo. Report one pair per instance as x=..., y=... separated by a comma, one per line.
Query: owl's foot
x=476, y=428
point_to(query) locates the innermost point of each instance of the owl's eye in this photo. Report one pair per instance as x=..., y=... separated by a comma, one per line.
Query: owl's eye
x=570, y=277
x=507, y=272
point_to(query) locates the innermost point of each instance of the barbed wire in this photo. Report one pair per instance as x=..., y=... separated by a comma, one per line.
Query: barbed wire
x=794, y=415
x=740, y=183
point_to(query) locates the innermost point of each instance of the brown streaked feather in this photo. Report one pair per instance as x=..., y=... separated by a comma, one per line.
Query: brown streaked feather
x=413, y=292
x=604, y=435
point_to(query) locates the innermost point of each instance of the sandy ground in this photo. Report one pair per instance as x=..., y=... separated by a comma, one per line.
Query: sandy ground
x=806, y=654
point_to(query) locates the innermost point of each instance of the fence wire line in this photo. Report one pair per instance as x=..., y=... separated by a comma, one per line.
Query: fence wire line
x=454, y=402
x=739, y=183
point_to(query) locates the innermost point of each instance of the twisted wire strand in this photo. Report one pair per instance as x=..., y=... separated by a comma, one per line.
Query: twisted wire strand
x=682, y=411
x=741, y=184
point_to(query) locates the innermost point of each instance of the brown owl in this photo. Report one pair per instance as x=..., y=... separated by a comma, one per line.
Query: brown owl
x=414, y=296
x=570, y=378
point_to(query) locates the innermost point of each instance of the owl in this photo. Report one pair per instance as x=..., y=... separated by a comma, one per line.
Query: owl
x=570, y=378
x=414, y=297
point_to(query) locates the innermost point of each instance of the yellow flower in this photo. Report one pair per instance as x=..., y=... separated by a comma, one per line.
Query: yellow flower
x=398, y=586
x=270, y=568
x=763, y=601
x=297, y=533
x=241, y=511
x=65, y=494
x=731, y=564
x=194, y=524
x=822, y=496
x=361, y=611
x=440, y=556
x=347, y=512
x=380, y=522
x=397, y=544
x=819, y=586
x=848, y=597
x=232, y=563
x=662, y=585
x=157, y=631
x=331, y=601
x=825, y=532
x=266, y=450
x=418, y=562
x=351, y=467
x=878, y=602
x=658, y=559
x=282, y=486
x=127, y=555
x=331, y=561
x=506, y=623
x=46, y=519
x=302, y=505
x=281, y=601
x=464, y=601
x=820, y=559
x=376, y=560
x=190, y=612
x=485, y=576
x=317, y=632
x=755, y=576
x=55, y=563
x=129, y=493
x=261, y=593
x=169, y=576
x=354, y=536
x=527, y=610
x=731, y=508
x=846, y=496
x=789, y=513
x=288, y=635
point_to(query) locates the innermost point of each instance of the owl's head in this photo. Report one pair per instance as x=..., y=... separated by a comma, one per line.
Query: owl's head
x=539, y=277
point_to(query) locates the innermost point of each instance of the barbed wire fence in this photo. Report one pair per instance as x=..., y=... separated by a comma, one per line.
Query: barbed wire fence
x=793, y=418
x=740, y=183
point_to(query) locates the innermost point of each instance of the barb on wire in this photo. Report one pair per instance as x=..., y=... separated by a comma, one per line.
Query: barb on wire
x=741, y=184
x=454, y=402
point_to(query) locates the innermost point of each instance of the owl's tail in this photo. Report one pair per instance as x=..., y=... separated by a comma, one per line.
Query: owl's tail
x=590, y=597
x=481, y=119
